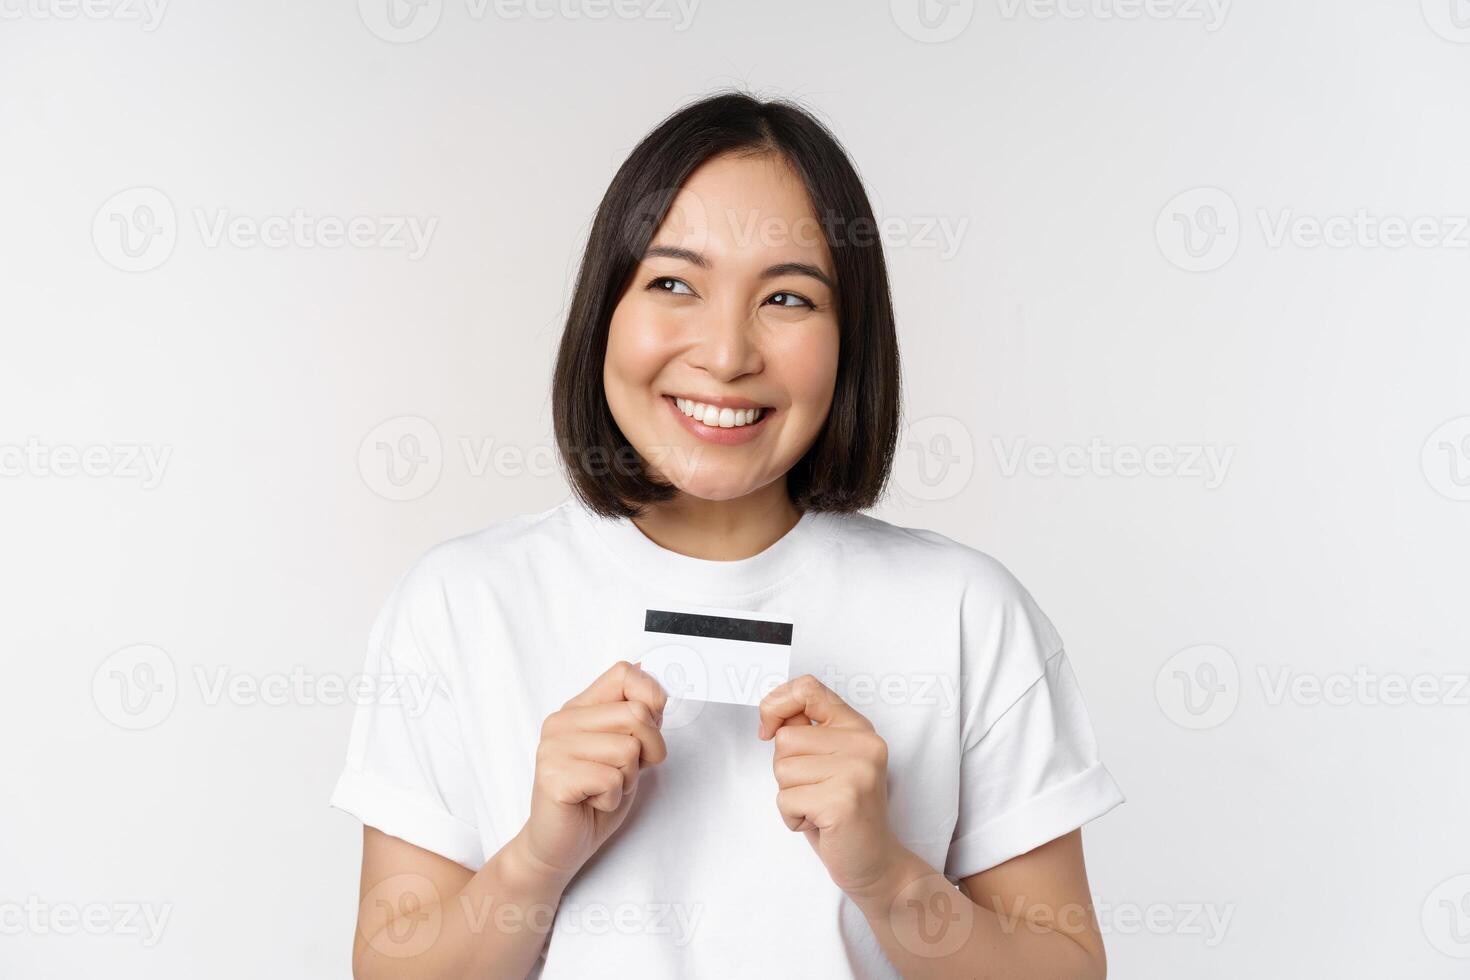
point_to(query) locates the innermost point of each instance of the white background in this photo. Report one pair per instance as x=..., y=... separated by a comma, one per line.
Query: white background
x=1269, y=831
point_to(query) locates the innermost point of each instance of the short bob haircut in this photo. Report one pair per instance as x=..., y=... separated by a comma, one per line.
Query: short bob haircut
x=847, y=466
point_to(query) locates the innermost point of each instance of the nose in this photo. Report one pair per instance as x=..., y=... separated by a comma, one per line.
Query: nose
x=728, y=346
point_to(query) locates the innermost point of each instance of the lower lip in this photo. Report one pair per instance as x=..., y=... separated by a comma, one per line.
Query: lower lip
x=732, y=436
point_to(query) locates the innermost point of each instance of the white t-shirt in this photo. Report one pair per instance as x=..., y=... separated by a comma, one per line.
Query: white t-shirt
x=991, y=752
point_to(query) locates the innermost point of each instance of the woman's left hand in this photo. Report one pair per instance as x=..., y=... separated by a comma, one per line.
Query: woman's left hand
x=832, y=770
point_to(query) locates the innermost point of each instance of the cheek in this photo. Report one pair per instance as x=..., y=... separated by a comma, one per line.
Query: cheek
x=807, y=367
x=639, y=341
x=635, y=347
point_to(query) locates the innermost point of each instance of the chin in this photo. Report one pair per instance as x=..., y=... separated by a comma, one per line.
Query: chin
x=707, y=487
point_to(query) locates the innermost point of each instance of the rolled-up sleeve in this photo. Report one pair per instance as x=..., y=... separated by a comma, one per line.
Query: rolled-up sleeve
x=1032, y=777
x=1029, y=765
x=406, y=772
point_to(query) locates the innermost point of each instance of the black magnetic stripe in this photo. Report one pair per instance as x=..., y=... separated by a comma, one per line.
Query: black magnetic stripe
x=717, y=627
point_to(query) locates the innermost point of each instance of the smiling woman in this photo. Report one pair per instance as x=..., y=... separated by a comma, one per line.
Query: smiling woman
x=735, y=325
x=726, y=401
x=709, y=276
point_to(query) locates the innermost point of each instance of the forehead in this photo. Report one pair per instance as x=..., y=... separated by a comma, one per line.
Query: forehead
x=754, y=207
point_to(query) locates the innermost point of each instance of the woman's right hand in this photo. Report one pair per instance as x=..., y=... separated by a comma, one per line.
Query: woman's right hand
x=587, y=766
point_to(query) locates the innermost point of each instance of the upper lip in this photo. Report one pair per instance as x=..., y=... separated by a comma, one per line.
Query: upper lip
x=721, y=401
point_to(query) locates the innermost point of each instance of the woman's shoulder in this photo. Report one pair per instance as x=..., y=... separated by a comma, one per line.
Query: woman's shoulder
x=1004, y=633
x=923, y=552
x=497, y=551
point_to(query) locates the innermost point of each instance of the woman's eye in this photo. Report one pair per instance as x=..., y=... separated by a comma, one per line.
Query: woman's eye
x=664, y=282
x=800, y=300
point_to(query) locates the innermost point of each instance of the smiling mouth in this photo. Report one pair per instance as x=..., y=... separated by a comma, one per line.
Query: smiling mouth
x=719, y=418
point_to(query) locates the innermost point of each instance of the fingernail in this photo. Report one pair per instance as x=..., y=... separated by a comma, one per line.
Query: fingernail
x=763, y=730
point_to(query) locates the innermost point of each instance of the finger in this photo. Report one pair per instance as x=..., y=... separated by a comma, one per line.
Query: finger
x=803, y=740
x=623, y=682
x=576, y=781
x=798, y=720
x=608, y=748
x=809, y=695
x=607, y=687
x=799, y=806
x=640, y=685
x=804, y=770
x=816, y=740
x=622, y=717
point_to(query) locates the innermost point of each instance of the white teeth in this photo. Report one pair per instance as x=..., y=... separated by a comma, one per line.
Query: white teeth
x=722, y=418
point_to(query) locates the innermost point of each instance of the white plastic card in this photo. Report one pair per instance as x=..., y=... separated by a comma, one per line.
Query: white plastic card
x=700, y=653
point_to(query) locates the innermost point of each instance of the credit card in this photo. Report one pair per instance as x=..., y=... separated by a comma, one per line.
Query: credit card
x=701, y=653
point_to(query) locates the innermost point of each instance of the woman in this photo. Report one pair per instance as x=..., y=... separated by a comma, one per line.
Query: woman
x=726, y=400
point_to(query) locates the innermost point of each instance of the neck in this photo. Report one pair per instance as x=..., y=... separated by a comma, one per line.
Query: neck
x=721, y=530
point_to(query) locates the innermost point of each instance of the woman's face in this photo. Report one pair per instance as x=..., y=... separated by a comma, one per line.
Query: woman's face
x=722, y=354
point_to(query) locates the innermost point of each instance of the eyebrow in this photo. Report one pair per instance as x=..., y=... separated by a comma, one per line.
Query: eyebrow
x=770, y=272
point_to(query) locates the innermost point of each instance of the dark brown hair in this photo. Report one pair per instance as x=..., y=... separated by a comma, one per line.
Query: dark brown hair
x=847, y=466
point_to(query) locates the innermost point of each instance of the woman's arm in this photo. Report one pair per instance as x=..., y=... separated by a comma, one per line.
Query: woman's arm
x=422, y=915
x=1029, y=917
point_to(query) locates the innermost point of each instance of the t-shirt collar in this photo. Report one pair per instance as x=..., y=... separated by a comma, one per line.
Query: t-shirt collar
x=766, y=571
